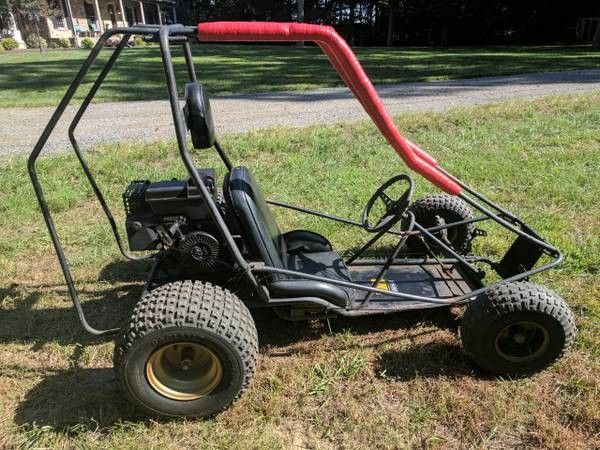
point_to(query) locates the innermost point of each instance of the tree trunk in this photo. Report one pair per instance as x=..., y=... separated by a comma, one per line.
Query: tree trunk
x=390, y=28
x=444, y=36
x=371, y=23
x=37, y=33
x=352, y=19
x=300, y=6
x=596, y=40
x=429, y=38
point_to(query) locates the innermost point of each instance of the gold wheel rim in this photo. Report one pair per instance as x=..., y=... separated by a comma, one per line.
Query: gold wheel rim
x=522, y=341
x=184, y=371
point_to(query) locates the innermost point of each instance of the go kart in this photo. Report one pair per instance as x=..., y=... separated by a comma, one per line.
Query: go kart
x=190, y=347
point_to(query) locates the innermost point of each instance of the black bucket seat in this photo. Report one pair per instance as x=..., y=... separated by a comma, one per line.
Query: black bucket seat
x=299, y=250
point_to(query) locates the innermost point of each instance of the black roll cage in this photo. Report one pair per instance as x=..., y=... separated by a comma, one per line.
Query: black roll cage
x=169, y=35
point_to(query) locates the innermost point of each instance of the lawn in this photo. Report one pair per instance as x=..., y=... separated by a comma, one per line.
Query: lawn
x=400, y=381
x=34, y=79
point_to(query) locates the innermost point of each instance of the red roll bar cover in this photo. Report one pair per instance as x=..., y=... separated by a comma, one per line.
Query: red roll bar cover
x=348, y=67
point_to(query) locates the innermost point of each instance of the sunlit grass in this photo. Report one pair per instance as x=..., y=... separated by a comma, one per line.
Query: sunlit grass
x=397, y=382
x=33, y=79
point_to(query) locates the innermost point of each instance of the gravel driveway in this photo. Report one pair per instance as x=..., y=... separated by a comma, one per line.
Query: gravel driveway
x=151, y=120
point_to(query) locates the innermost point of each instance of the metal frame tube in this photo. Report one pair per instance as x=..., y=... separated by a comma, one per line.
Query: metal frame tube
x=223, y=156
x=71, y=133
x=180, y=133
x=365, y=247
x=189, y=61
x=276, y=270
x=314, y=212
x=371, y=309
x=446, y=247
x=39, y=192
x=178, y=34
x=261, y=268
x=39, y=146
x=416, y=261
x=390, y=260
x=482, y=198
x=549, y=248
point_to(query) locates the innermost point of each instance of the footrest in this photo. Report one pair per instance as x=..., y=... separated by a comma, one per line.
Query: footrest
x=427, y=280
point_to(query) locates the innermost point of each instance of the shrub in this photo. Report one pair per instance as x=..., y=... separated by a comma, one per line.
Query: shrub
x=112, y=42
x=138, y=41
x=87, y=43
x=33, y=41
x=8, y=43
x=62, y=43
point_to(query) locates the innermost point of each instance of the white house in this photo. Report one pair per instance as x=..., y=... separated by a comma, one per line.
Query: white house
x=76, y=19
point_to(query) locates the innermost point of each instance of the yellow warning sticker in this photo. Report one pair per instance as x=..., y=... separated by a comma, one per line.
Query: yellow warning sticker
x=383, y=284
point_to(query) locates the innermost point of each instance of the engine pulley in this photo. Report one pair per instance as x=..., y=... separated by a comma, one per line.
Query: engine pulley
x=201, y=246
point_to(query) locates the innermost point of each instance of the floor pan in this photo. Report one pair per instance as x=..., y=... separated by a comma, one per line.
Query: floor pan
x=427, y=280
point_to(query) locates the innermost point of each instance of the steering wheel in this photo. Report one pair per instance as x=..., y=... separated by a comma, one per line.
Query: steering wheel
x=393, y=208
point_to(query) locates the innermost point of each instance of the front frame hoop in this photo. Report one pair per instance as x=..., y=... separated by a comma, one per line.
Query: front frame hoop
x=166, y=36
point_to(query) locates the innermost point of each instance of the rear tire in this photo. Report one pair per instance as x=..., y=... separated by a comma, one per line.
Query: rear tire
x=517, y=329
x=190, y=349
x=450, y=209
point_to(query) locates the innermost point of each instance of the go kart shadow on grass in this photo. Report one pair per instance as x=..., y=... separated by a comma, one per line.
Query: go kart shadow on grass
x=288, y=333
x=87, y=399
x=409, y=358
x=430, y=360
x=110, y=306
x=75, y=400
x=104, y=308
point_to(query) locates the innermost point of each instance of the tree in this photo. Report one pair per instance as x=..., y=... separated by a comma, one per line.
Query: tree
x=596, y=41
x=300, y=6
x=27, y=12
x=26, y=7
x=6, y=7
x=390, y=25
x=413, y=22
x=300, y=18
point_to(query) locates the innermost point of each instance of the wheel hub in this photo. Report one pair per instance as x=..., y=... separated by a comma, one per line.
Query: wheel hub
x=519, y=338
x=184, y=371
x=522, y=341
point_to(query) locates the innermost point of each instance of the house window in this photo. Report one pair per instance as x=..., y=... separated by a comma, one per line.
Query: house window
x=90, y=15
x=150, y=13
x=58, y=14
x=111, y=13
x=59, y=22
x=129, y=16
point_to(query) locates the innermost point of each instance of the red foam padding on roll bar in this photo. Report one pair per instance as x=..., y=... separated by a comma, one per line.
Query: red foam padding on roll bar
x=346, y=64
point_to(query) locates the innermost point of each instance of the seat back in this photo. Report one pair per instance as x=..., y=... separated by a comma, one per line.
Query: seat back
x=198, y=116
x=267, y=243
x=256, y=219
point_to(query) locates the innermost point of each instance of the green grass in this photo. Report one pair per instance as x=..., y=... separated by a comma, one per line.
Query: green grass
x=400, y=381
x=33, y=79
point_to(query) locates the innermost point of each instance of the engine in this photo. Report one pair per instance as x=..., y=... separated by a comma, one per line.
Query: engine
x=172, y=215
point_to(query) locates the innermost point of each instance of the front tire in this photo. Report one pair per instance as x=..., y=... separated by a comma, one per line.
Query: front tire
x=433, y=210
x=517, y=329
x=190, y=349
